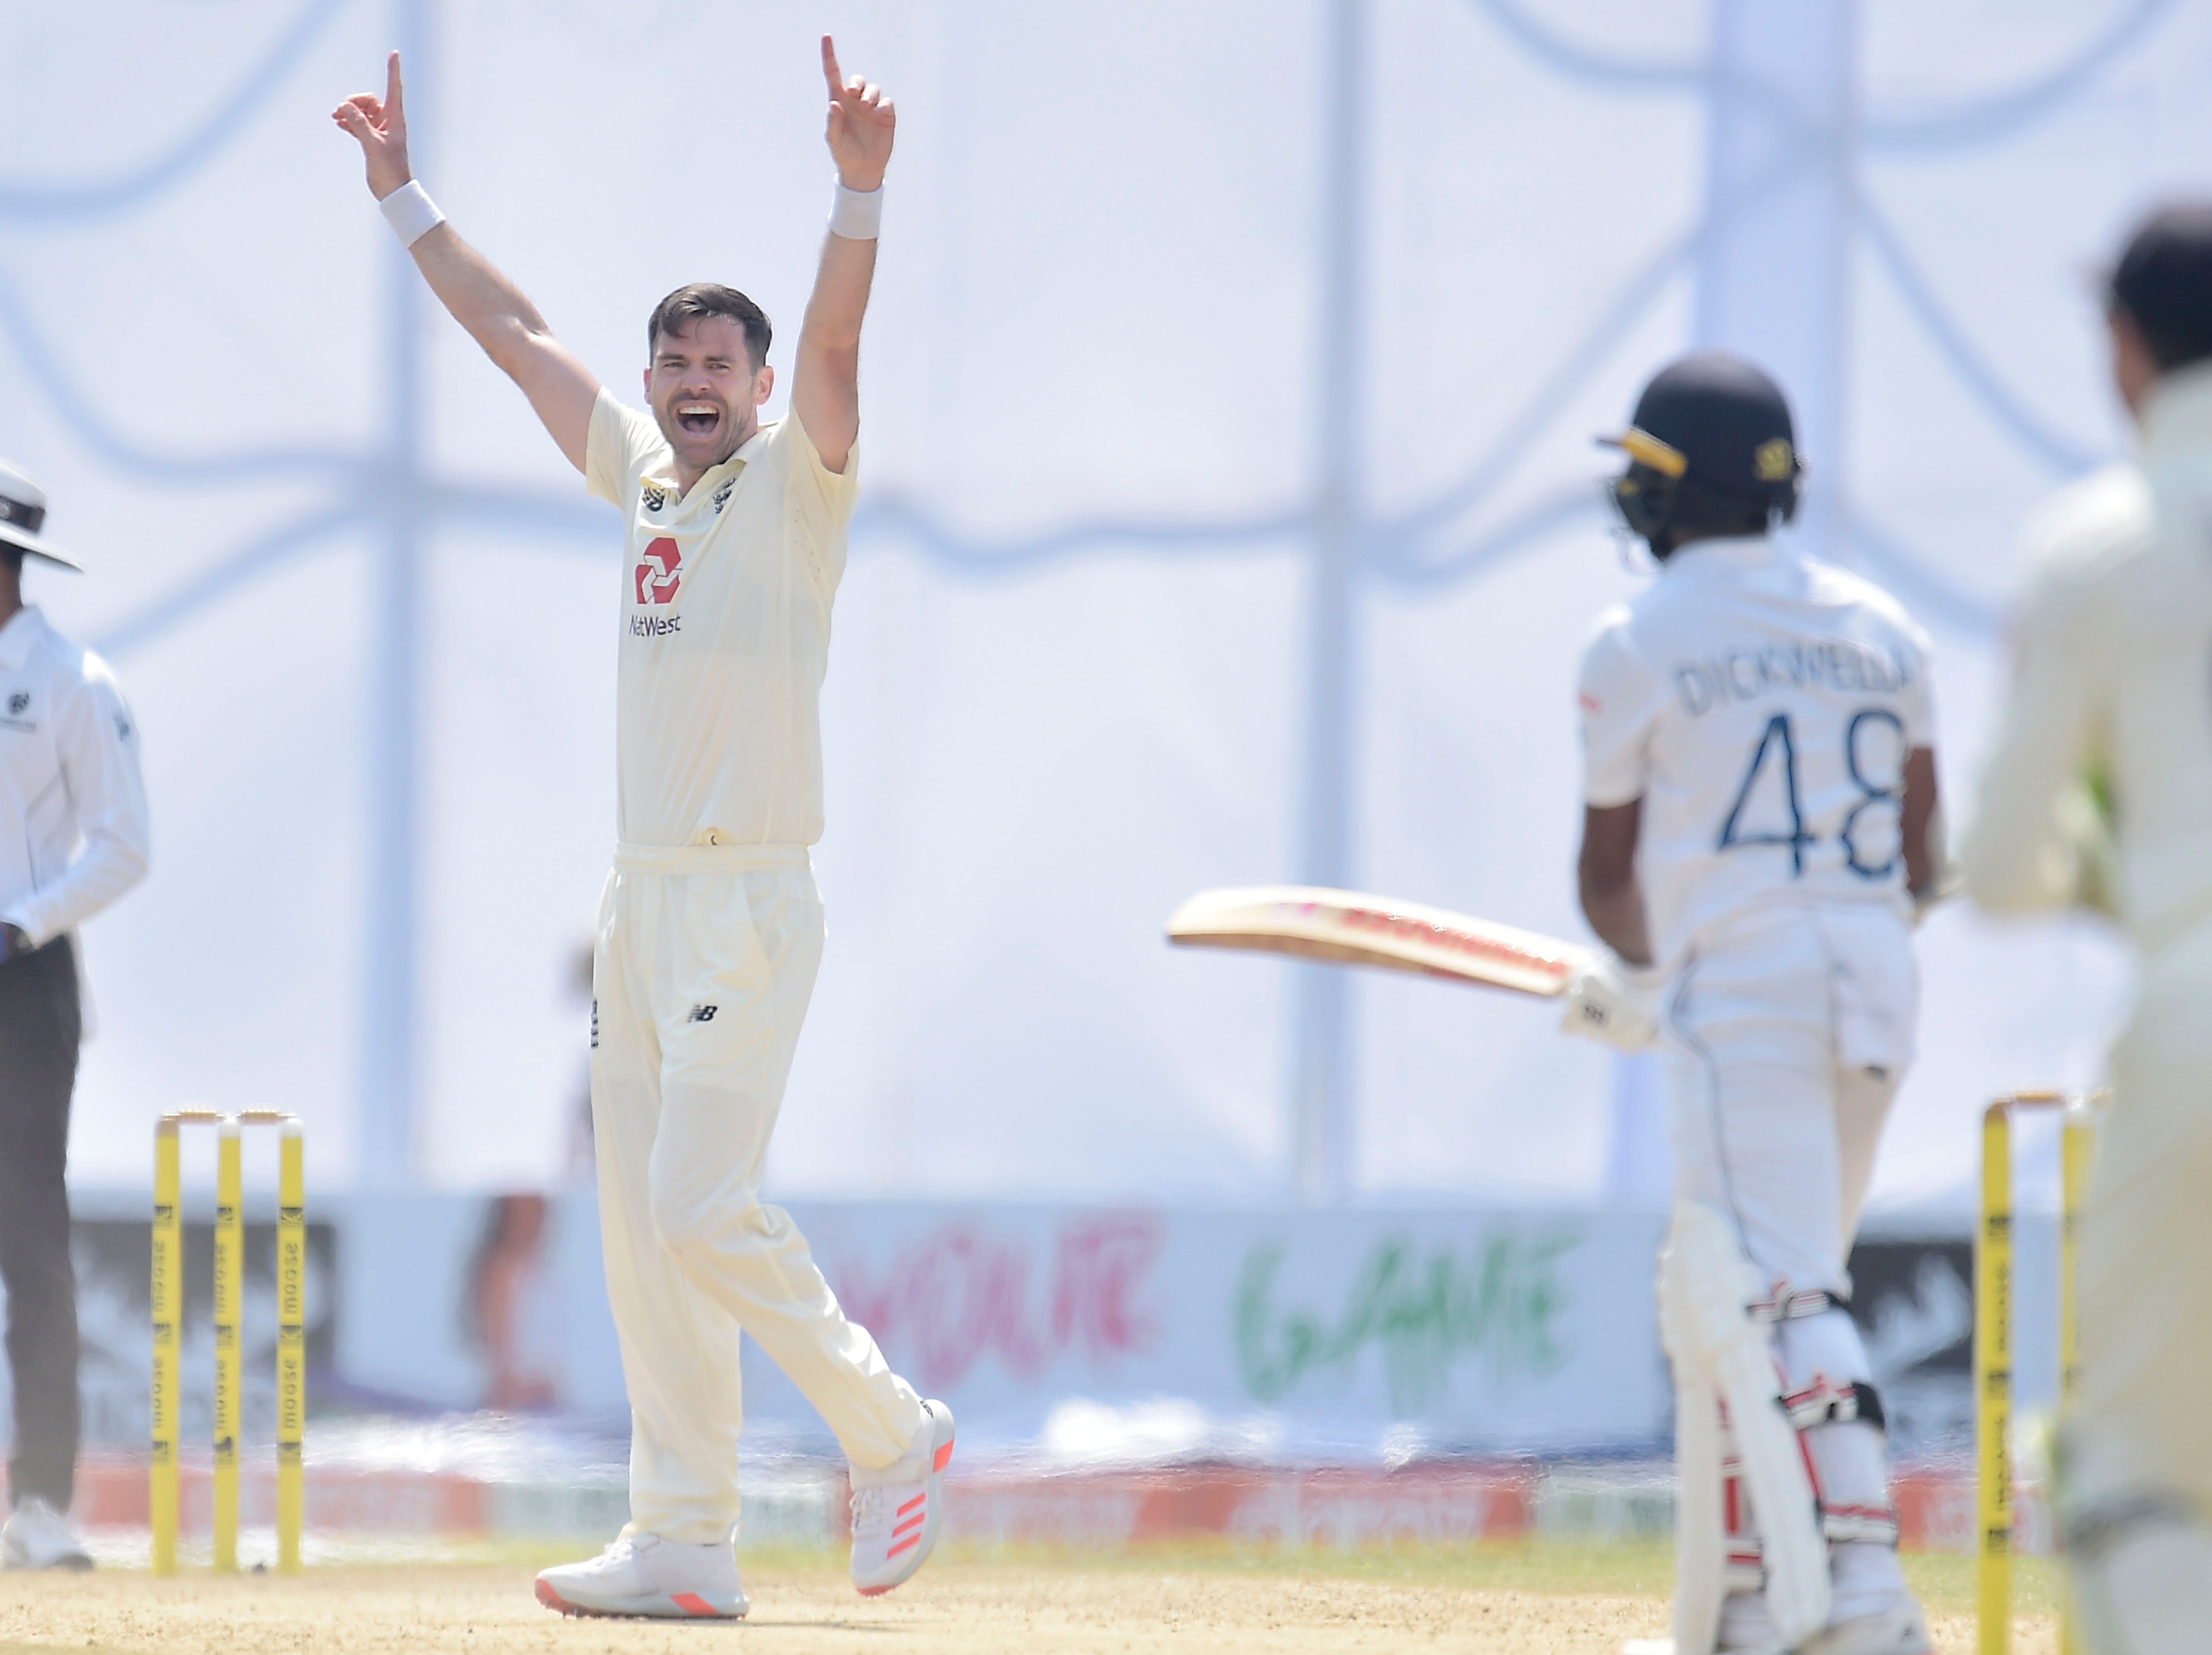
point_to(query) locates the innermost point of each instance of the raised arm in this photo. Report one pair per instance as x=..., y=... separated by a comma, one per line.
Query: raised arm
x=825, y=389
x=495, y=312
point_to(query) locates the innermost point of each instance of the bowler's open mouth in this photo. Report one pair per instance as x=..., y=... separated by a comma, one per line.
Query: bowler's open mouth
x=698, y=418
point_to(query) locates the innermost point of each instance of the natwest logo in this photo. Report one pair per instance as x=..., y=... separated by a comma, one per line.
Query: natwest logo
x=658, y=571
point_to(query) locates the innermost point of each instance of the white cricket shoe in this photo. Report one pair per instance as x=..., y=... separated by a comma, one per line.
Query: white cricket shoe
x=1900, y=1629
x=645, y=1574
x=37, y=1537
x=897, y=1511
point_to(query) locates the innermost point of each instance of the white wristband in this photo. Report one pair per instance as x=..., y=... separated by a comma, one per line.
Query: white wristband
x=857, y=214
x=410, y=212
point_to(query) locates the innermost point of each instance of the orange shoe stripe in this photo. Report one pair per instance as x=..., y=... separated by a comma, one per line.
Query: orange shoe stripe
x=915, y=1501
x=911, y=1540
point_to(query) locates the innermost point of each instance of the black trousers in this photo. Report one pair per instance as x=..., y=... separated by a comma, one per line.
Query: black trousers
x=40, y=1022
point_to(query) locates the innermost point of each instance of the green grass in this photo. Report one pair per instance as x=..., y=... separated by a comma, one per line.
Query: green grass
x=1945, y=1582
x=1627, y=1568
x=1630, y=1568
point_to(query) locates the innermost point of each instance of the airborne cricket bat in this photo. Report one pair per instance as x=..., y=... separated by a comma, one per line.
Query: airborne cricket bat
x=1359, y=929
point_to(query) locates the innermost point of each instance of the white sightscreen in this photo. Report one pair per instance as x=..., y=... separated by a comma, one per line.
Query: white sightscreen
x=1096, y=313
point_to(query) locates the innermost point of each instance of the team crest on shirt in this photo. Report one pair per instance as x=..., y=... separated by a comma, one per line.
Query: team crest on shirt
x=722, y=495
x=655, y=496
x=659, y=571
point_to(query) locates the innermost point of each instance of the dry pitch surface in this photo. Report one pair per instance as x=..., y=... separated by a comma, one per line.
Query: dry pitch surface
x=1539, y=1598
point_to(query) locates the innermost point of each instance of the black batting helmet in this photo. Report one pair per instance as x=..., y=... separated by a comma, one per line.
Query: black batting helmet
x=1711, y=451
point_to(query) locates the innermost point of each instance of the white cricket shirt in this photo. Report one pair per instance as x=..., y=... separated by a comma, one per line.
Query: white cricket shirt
x=725, y=631
x=1760, y=703
x=73, y=832
x=2112, y=680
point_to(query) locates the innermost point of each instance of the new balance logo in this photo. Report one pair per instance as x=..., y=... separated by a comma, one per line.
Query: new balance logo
x=702, y=1014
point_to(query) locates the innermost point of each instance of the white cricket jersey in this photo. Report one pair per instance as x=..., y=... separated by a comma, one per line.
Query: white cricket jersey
x=1760, y=703
x=725, y=631
x=2112, y=681
x=73, y=832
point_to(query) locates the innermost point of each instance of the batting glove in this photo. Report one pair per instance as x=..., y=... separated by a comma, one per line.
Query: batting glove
x=1613, y=1002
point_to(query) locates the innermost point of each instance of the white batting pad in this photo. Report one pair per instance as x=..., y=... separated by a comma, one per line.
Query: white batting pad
x=1700, y=1523
x=1704, y=1285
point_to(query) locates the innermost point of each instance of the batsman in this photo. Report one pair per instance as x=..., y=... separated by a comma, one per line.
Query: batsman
x=1760, y=824
x=710, y=930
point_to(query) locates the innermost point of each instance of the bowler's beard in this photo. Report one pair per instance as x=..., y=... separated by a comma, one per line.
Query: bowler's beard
x=735, y=429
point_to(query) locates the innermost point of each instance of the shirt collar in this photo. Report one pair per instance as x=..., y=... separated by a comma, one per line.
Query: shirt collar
x=16, y=636
x=666, y=477
x=1733, y=552
x=2180, y=411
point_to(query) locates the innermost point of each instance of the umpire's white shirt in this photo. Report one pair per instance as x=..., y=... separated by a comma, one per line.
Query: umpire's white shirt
x=73, y=835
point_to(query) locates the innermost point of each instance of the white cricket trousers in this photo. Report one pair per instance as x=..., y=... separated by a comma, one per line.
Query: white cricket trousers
x=1786, y=1042
x=703, y=965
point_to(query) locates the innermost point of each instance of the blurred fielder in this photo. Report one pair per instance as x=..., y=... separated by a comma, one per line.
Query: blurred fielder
x=2100, y=791
x=73, y=837
x=1761, y=788
x=710, y=931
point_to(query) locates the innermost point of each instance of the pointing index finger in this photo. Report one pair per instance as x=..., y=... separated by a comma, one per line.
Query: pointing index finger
x=830, y=72
x=392, y=84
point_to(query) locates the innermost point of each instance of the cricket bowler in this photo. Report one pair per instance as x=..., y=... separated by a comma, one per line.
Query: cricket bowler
x=1759, y=783
x=710, y=931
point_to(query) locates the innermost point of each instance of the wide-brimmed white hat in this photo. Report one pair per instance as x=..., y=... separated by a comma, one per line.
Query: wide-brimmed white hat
x=23, y=514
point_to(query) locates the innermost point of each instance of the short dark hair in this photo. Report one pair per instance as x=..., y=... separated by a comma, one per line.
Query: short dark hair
x=675, y=314
x=2163, y=284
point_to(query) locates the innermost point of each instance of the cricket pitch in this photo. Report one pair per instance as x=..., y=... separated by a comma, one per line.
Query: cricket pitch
x=1543, y=1599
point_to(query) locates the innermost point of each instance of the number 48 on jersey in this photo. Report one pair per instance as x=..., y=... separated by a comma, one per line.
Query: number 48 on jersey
x=1770, y=793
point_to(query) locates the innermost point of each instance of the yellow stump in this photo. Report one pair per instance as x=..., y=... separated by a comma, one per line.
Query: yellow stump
x=2079, y=1139
x=291, y=1346
x=1993, y=1382
x=166, y=1298
x=229, y=1296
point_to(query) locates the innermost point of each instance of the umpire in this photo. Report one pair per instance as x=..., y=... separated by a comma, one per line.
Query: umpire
x=72, y=839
